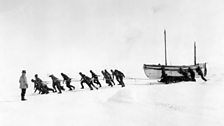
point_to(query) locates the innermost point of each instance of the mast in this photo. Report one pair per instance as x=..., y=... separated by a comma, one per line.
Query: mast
x=165, y=47
x=195, y=62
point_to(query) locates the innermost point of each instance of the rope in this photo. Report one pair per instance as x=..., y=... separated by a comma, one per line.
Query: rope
x=78, y=80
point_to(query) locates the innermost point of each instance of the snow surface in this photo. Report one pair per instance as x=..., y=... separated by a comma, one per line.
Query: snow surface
x=140, y=103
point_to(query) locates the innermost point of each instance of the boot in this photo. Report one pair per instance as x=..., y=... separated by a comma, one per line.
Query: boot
x=22, y=98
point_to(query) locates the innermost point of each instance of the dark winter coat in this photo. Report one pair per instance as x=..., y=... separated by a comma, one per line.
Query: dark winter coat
x=65, y=77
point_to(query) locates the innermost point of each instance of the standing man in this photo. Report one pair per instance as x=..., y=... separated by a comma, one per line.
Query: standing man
x=23, y=85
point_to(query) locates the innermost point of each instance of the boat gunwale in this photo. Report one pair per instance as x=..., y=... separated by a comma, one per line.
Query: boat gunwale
x=154, y=65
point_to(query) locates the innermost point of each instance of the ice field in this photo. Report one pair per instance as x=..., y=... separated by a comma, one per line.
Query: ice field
x=140, y=103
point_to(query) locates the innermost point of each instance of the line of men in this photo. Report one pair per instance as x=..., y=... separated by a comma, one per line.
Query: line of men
x=187, y=75
x=42, y=87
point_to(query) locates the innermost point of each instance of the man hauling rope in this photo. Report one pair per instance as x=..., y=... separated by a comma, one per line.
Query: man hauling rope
x=87, y=80
x=119, y=77
x=56, y=84
x=67, y=81
x=44, y=88
x=192, y=74
x=95, y=78
x=199, y=71
x=108, y=78
x=169, y=79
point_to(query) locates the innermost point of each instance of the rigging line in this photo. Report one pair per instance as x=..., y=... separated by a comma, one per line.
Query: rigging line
x=77, y=80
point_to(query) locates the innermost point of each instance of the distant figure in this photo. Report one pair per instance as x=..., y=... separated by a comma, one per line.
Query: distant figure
x=43, y=88
x=192, y=74
x=113, y=74
x=56, y=84
x=46, y=89
x=199, y=71
x=95, y=78
x=38, y=83
x=67, y=81
x=185, y=74
x=119, y=76
x=87, y=80
x=23, y=85
x=37, y=87
x=164, y=77
x=107, y=78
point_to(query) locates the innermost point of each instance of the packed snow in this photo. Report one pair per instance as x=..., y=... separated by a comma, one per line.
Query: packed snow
x=53, y=36
x=140, y=103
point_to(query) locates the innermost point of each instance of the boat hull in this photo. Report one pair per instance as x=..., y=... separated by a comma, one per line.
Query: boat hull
x=154, y=71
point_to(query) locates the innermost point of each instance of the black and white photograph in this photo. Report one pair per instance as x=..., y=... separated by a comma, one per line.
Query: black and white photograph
x=111, y=62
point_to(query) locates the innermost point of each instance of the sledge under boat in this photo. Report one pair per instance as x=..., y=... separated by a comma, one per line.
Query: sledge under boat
x=154, y=71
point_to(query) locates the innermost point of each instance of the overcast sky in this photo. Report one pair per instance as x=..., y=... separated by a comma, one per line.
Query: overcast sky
x=53, y=36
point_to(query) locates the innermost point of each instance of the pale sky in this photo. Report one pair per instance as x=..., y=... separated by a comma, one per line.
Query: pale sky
x=54, y=36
